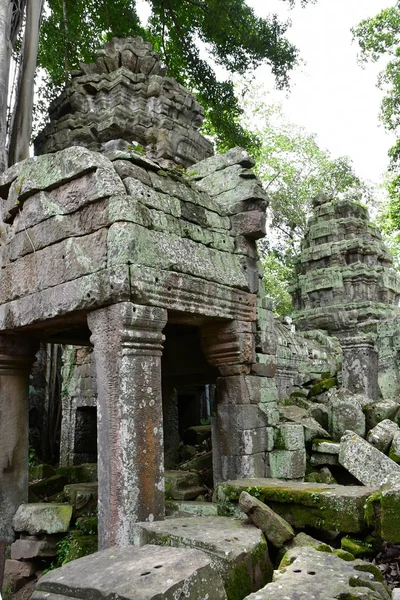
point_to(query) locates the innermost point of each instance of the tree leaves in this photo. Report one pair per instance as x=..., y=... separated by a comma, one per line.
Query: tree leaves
x=235, y=37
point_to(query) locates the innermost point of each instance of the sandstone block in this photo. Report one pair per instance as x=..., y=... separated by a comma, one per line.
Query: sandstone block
x=378, y=411
x=232, y=546
x=17, y=573
x=382, y=434
x=329, y=507
x=307, y=573
x=43, y=518
x=275, y=528
x=366, y=463
x=326, y=446
x=287, y=464
x=289, y=436
x=345, y=415
x=183, y=485
x=25, y=549
x=148, y=573
x=394, y=451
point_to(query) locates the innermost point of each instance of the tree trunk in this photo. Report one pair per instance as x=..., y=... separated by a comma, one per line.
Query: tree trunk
x=5, y=58
x=21, y=128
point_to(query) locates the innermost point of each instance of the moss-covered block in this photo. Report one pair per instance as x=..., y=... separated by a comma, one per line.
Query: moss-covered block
x=357, y=548
x=76, y=545
x=41, y=472
x=48, y=487
x=322, y=386
x=238, y=551
x=323, y=506
x=390, y=516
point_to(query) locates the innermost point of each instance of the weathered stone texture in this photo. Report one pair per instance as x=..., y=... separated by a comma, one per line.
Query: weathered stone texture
x=365, y=462
x=115, y=99
x=306, y=573
x=147, y=573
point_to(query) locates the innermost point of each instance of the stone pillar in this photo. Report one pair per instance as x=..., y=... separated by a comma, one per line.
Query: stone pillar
x=16, y=359
x=127, y=341
x=246, y=403
x=360, y=366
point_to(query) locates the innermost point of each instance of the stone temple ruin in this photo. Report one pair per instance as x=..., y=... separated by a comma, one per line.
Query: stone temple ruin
x=129, y=242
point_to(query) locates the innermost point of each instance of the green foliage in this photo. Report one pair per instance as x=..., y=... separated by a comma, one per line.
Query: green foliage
x=278, y=272
x=234, y=36
x=293, y=169
x=32, y=457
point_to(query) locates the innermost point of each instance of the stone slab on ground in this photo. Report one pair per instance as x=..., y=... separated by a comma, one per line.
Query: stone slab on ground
x=368, y=464
x=237, y=550
x=276, y=530
x=34, y=548
x=38, y=518
x=329, y=507
x=150, y=572
x=306, y=573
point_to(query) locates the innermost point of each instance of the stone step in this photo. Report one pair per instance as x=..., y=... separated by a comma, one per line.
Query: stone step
x=146, y=573
x=323, y=506
x=189, y=508
x=236, y=549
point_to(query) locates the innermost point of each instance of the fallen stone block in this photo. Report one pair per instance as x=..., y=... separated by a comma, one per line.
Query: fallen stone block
x=17, y=573
x=183, y=485
x=296, y=414
x=237, y=550
x=368, y=464
x=276, y=530
x=289, y=436
x=394, y=450
x=287, y=464
x=81, y=496
x=382, y=434
x=326, y=446
x=306, y=573
x=329, y=507
x=146, y=573
x=42, y=518
x=345, y=415
x=33, y=547
x=320, y=458
x=376, y=412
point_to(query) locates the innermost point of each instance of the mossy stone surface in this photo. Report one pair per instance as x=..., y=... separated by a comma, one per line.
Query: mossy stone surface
x=357, y=548
x=323, y=506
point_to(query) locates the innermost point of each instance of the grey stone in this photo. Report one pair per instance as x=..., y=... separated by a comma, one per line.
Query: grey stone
x=378, y=411
x=287, y=464
x=318, y=459
x=232, y=546
x=143, y=573
x=43, y=518
x=306, y=573
x=25, y=549
x=345, y=415
x=394, y=451
x=382, y=434
x=276, y=530
x=295, y=414
x=328, y=507
x=366, y=463
x=326, y=446
x=183, y=485
x=289, y=436
x=17, y=573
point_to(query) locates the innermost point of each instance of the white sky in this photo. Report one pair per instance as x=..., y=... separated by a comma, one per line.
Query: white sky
x=331, y=95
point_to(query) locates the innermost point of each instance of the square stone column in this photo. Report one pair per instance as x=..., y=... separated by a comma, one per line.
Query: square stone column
x=360, y=365
x=16, y=359
x=127, y=341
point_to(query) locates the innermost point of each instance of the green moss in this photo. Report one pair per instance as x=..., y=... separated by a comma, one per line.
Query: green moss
x=344, y=555
x=370, y=568
x=371, y=508
x=238, y=584
x=356, y=547
x=322, y=386
x=324, y=548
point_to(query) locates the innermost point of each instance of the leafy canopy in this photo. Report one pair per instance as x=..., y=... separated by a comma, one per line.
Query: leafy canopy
x=235, y=37
x=293, y=169
x=379, y=37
